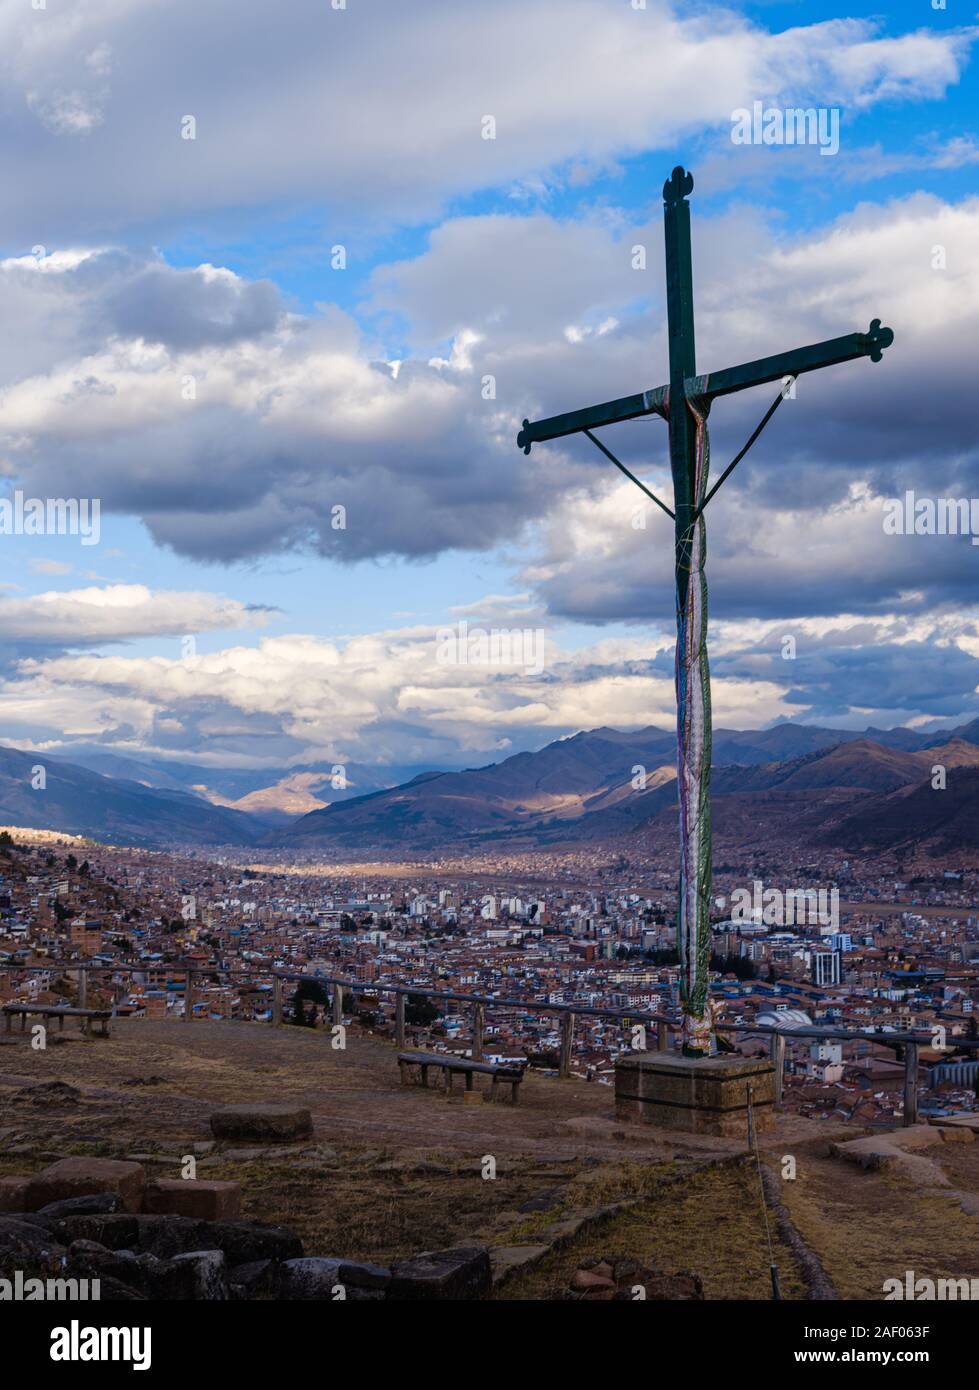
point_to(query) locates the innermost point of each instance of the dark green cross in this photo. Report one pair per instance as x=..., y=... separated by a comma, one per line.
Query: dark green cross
x=685, y=404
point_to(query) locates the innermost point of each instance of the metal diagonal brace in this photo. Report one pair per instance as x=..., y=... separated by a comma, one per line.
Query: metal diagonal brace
x=609, y=455
x=739, y=456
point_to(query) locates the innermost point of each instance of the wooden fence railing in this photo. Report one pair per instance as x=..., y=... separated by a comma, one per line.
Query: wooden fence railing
x=906, y=1045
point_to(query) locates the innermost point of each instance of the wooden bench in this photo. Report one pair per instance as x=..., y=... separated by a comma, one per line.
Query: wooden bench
x=59, y=1011
x=508, y=1075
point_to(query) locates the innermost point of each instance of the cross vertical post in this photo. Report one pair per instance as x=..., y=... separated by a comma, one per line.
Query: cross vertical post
x=688, y=463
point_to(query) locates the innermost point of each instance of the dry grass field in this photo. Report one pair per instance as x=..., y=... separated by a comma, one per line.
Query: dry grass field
x=867, y=1227
x=392, y=1170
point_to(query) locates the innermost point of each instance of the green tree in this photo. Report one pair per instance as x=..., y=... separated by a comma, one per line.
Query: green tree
x=307, y=992
x=419, y=1010
x=311, y=989
x=300, y=1017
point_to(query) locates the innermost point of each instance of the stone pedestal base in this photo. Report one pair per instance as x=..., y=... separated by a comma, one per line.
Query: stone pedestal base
x=706, y=1095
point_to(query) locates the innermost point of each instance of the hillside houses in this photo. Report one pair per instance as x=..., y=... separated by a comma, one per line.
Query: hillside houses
x=564, y=930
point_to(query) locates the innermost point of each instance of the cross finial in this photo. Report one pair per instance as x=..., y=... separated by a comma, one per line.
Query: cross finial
x=879, y=339
x=678, y=186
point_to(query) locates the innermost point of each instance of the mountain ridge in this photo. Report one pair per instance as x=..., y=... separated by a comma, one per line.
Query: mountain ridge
x=620, y=785
x=596, y=785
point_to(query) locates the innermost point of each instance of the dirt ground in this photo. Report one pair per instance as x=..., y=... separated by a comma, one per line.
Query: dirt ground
x=392, y=1170
x=355, y=1095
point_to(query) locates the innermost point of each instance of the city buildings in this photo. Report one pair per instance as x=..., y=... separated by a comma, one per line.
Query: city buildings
x=589, y=929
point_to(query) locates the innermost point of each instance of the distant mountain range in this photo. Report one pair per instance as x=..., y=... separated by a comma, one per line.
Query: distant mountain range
x=947, y=822
x=112, y=809
x=276, y=795
x=604, y=784
x=868, y=790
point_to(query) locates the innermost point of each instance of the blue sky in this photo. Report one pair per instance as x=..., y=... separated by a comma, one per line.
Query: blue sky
x=468, y=257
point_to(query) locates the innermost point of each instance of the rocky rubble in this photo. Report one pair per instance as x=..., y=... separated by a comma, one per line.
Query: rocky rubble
x=97, y=1218
x=614, y=1278
x=146, y=1256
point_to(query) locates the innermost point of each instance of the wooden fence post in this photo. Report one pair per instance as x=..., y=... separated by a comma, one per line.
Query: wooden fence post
x=567, y=1039
x=479, y=1019
x=911, y=1083
x=399, y=1021
x=189, y=998
x=276, y=1001
x=663, y=1037
x=778, y=1057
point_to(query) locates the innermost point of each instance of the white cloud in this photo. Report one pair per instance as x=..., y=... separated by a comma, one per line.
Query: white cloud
x=373, y=696
x=49, y=567
x=382, y=104
x=385, y=696
x=234, y=428
x=115, y=612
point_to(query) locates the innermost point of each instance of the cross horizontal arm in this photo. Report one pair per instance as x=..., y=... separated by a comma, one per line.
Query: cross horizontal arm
x=805, y=359
x=575, y=421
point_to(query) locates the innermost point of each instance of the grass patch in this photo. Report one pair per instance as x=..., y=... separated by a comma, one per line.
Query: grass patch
x=867, y=1227
x=710, y=1224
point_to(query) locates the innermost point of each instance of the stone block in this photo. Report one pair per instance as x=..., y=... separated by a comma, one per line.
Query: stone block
x=620, y=1278
x=707, y=1095
x=207, y=1201
x=507, y=1260
x=462, y=1273
x=257, y=1276
x=876, y=1155
x=266, y=1123
x=585, y=1280
x=951, y=1135
x=98, y=1204
x=89, y=1259
x=318, y=1277
x=241, y=1241
x=198, y=1276
x=85, y=1177
x=28, y=1246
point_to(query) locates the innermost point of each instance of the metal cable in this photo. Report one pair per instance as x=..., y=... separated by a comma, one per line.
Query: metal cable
x=609, y=455
x=772, y=1265
x=738, y=457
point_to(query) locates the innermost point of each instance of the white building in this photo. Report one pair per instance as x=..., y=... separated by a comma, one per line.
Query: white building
x=826, y=969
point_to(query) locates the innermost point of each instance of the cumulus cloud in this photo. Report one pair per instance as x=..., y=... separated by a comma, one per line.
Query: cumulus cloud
x=384, y=697
x=188, y=398
x=235, y=429
x=886, y=669
x=191, y=310
x=117, y=612
x=377, y=697
x=371, y=106
x=613, y=559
